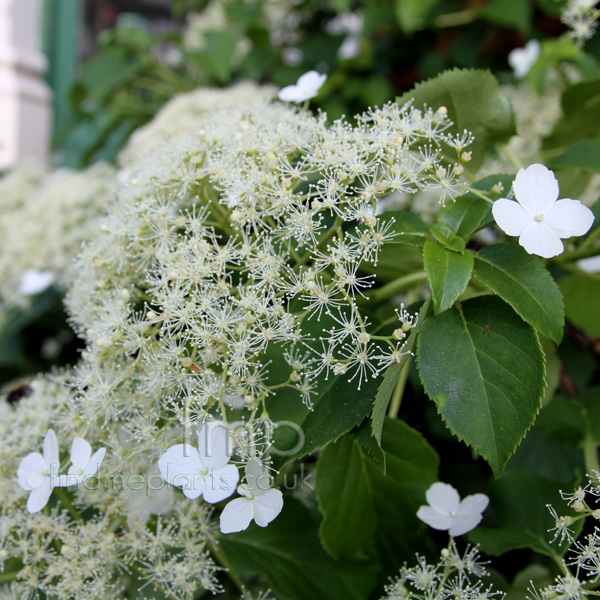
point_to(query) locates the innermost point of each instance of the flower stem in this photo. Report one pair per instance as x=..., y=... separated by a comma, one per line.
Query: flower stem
x=64, y=498
x=224, y=562
x=8, y=577
x=393, y=288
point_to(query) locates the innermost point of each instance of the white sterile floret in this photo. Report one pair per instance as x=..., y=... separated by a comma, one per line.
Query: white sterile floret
x=446, y=511
x=522, y=59
x=34, y=281
x=84, y=464
x=37, y=473
x=259, y=501
x=538, y=218
x=307, y=87
x=203, y=472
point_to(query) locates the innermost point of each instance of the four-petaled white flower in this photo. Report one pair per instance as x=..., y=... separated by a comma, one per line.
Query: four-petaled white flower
x=538, y=218
x=84, y=464
x=38, y=473
x=259, y=502
x=447, y=512
x=203, y=472
x=34, y=281
x=307, y=87
x=522, y=59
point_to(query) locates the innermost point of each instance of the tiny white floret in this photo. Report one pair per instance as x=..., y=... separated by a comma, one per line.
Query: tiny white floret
x=204, y=471
x=259, y=501
x=446, y=511
x=34, y=281
x=537, y=217
x=522, y=59
x=37, y=473
x=307, y=86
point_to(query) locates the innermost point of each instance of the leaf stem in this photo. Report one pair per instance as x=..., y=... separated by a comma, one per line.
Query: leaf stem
x=512, y=157
x=399, y=390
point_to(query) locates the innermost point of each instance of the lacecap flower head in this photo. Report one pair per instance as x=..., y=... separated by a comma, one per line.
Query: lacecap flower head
x=538, y=217
x=446, y=511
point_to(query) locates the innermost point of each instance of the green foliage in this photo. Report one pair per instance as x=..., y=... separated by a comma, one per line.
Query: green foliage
x=484, y=368
x=523, y=281
x=474, y=102
x=411, y=14
x=448, y=273
x=289, y=555
x=584, y=155
x=520, y=504
x=581, y=293
x=358, y=500
x=408, y=227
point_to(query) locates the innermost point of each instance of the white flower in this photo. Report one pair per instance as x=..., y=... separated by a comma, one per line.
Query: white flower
x=38, y=474
x=307, y=87
x=447, y=512
x=34, y=282
x=590, y=264
x=203, y=472
x=537, y=217
x=522, y=59
x=260, y=502
x=84, y=464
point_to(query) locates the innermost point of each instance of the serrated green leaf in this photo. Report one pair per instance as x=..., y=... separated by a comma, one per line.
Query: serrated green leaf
x=358, y=500
x=448, y=273
x=520, y=505
x=446, y=236
x=581, y=293
x=523, y=281
x=364, y=436
x=408, y=227
x=474, y=102
x=484, y=368
x=289, y=555
x=584, y=155
x=564, y=420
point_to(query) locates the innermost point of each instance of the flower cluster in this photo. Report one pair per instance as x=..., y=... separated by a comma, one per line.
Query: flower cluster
x=455, y=576
x=45, y=219
x=230, y=271
x=581, y=16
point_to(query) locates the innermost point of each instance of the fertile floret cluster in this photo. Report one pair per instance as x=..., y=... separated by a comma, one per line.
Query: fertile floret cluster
x=581, y=16
x=455, y=576
x=45, y=220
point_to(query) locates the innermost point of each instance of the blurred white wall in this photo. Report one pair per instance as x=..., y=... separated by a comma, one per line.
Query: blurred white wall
x=25, y=99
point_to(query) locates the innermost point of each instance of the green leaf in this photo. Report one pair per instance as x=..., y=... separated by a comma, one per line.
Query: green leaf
x=345, y=499
x=358, y=500
x=408, y=227
x=507, y=13
x=474, y=102
x=411, y=13
x=446, y=236
x=580, y=106
x=523, y=281
x=364, y=436
x=218, y=53
x=484, y=368
x=564, y=420
x=581, y=293
x=390, y=377
x=448, y=273
x=584, y=155
x=289, y=555
x=520, y=505
x=470, y=213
